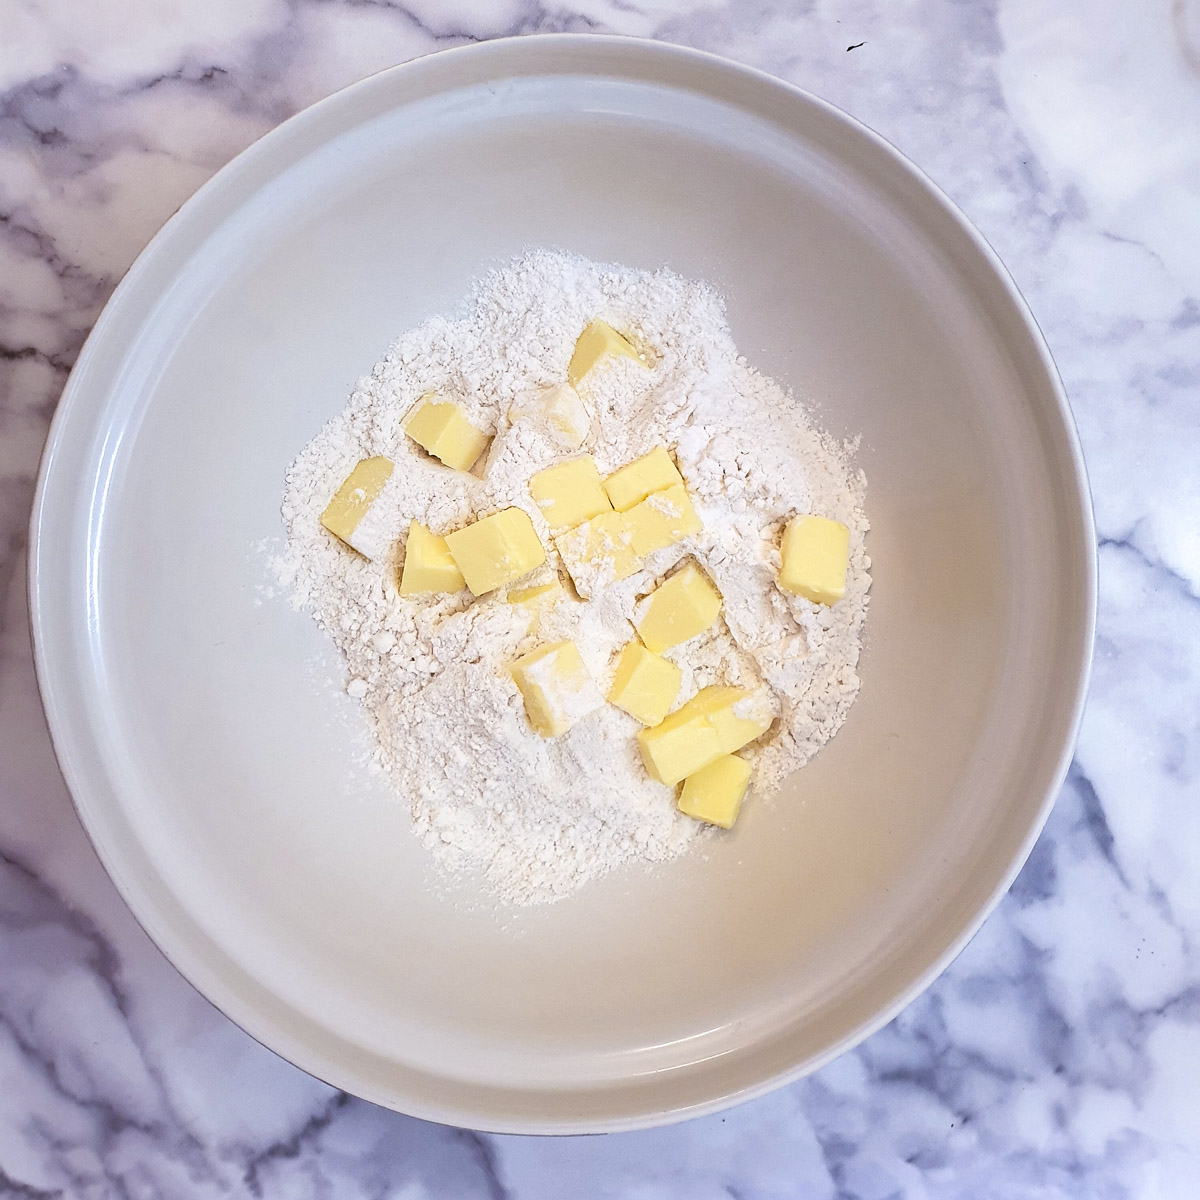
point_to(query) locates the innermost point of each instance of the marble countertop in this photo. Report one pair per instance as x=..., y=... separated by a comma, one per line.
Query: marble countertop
x=1059, y=1056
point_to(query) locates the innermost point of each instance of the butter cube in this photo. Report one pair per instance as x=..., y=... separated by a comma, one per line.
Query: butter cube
x=680, y=745
x=557, y=688
x=662, y=519
x=428, y=566
x=715, y=721
x=683, y=606
x=496, y=550
x=816, y=553
x=645, y=685
x=597, y=340
x=632, y=483
x=569, y=493
x=558, y=411
x=543, y=591
x=598, y=553
x=714, y=793
x=441, y=427
x=344, y=514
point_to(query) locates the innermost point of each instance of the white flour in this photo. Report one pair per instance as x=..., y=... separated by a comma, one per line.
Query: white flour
x=539, y=817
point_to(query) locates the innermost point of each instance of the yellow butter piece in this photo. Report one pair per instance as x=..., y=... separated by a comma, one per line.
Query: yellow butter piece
x=428, y=566
x=632, y=483
x=678, y=746
x=816, y=553
x=343, y=515
x=597, y=340
x=598, y=552
x=645, y=685
x=681, y=607
x=569, y=493
x=558, y=411
x=441, y=427
x=542, y=591
x=714, y=793
x=557, y=688
x=715, y=721
x=662, y=519
x=497, y=550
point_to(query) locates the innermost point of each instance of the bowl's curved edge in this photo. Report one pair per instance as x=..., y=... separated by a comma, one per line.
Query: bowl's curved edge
x=62, y=734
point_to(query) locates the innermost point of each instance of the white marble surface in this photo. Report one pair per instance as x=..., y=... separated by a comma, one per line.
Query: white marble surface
x=1060, y=1055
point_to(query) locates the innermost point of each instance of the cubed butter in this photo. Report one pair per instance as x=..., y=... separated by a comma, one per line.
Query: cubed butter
x=441, y=427
x=662, y=519
x=598, y=552
x=569, y=493
x=816, y=552
x=715, y=721
x=557, y=411
x=344, y=514
x=714, y=793
x=645, y=685
x=596, y=341
x=544, y=592
x=428, y=566
x=557, y=689
x=680, y=745
x=681, y=607
x=497, y=550
x=632, y=483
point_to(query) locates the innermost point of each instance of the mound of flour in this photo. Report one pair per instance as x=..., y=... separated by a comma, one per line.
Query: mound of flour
x=539, y=817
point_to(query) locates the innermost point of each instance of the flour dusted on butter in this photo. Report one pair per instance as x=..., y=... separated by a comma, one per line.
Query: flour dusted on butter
x=539, y=816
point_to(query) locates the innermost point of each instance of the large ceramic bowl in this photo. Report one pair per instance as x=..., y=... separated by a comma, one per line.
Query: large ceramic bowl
x=217, y=771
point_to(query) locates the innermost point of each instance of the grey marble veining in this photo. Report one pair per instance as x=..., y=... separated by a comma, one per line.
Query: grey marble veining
x=1060, y=1055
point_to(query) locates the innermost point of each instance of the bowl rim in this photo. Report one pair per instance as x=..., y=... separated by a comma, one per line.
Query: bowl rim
x=515, y=53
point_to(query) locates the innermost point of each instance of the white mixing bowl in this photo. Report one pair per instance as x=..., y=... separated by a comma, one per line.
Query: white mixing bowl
x=216, y=770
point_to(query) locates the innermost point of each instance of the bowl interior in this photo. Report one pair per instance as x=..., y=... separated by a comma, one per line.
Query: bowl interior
x=199, y=718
